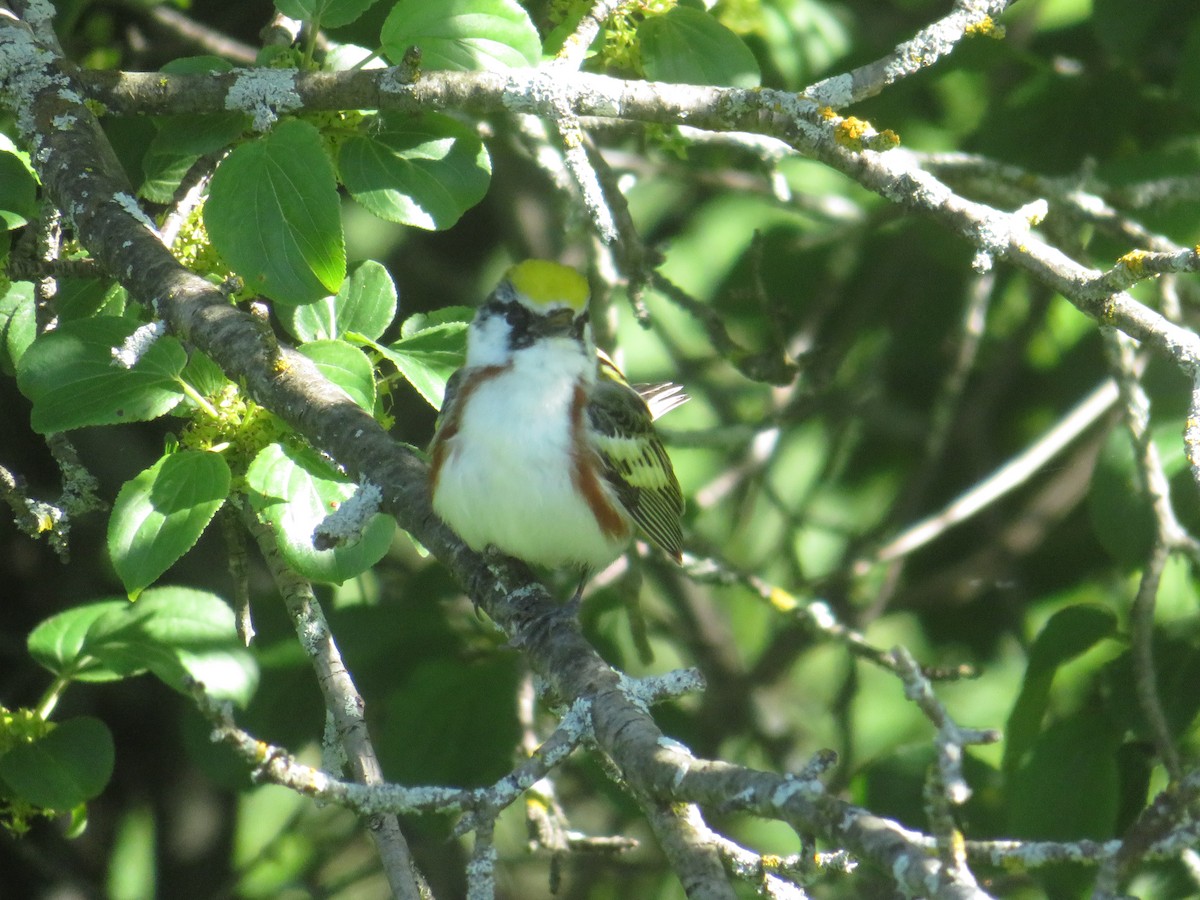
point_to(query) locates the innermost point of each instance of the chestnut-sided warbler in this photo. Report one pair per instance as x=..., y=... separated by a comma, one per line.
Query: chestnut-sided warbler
x=543, y=450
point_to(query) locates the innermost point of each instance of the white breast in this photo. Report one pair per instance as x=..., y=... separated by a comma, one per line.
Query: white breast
x=507, y=477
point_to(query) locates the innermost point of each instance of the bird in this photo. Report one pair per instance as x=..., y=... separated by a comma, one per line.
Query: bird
x=543, y=450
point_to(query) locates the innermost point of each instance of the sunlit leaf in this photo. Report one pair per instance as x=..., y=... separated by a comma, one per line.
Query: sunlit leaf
x=72, y=379
x=365, y=304
x=462, y=34
x=689, y=46
x=161, y=513
x=174, y=632
x=329, y=13
x=295, y=490
x=429, y=353
x=273, y=214
x=347, y=367
x=424, y=172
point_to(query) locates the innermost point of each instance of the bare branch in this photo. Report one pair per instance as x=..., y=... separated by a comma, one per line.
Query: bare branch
x=1016, y=472
x=199, y=35
x=923, y=50
x=896, y=174
x=345, y=706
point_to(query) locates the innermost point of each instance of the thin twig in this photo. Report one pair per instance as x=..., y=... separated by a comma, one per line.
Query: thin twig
x=946, y=406
x=921, y=51
x=1169, y=534
x=344, y=704
x=1012, y=475
x=197, y=34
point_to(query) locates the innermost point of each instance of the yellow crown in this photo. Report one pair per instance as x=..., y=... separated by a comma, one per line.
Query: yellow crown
x=544, y=282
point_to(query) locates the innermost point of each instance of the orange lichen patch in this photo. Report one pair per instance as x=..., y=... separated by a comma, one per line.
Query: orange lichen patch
x=851, y=131
x=1134, y=261
x=854, y=133
x=1108, y=311
x=783, y=600
x=986, y=27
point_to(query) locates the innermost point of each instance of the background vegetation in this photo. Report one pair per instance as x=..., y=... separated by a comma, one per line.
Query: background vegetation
x=858, y=360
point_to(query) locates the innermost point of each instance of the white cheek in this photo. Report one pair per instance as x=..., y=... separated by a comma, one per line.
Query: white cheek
x=487, y=342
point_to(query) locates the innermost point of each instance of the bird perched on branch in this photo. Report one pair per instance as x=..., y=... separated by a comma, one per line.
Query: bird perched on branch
x=543, y=450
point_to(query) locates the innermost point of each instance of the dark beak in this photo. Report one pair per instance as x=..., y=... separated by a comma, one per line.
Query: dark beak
x=558, y=323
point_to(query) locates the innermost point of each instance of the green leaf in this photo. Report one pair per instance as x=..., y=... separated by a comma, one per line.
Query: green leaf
x=18, y=192
x=1069, y=633
x=365, y=304
x=446, y=316
x=162, y=173
x=1067, y=788
x=330, y=13
x=462, y=34
x=688, y=46
x=80, y=298
x=61, y=644
x=1177, y=681
x=195, y=135
x=347, y=367
x=203, y=374
x=76, y=823
x=72, y=379
x=1121, y=514
x=427, y=356
x=273, y=215
x=116, y=299
x=177, y=146
x=18, y=324
x=294, y=490
x=178, y=632
x=68, y=766
x=161, y=513
x=424, y=172
x=170, y=631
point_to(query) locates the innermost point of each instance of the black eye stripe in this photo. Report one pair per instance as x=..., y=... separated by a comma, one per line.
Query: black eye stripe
x=525, y=326
x=512, y=311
